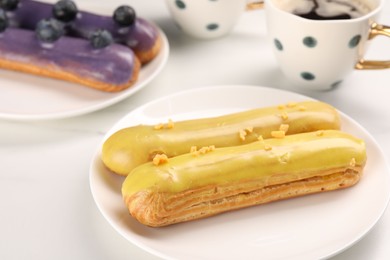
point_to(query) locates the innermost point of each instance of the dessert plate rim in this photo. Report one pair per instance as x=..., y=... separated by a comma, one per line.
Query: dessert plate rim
x=311, y=227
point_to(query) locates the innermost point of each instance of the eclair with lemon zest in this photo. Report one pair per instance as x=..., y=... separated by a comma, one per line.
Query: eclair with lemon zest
x=191, y=187
x=133, y=146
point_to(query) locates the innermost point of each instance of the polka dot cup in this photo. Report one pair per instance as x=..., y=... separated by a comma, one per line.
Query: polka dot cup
x=319, y=54
x=208, y=19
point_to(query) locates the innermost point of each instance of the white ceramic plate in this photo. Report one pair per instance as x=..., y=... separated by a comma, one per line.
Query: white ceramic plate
x=311, y=227
x=29, y=97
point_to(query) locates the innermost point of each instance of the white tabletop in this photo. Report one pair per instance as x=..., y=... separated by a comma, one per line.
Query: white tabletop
x=47, y=210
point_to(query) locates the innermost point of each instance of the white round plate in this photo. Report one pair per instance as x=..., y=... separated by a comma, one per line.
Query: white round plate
x=311, y=227
x=29, y=97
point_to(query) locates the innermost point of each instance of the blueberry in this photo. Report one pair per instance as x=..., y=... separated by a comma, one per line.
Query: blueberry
x=49, y=30
x=124, y=15
x=65, y=10
x=9, y=5
x=101, y=38
x=3, y=20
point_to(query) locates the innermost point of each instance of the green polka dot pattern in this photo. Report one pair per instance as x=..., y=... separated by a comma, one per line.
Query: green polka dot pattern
x=308, y=76
x=180, y=4
x=278, y=45
x=354, y=41
x=310, y=42
x=212, y=26
x=334, y=85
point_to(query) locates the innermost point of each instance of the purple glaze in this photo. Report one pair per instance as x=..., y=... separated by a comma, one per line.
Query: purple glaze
x=140, y=37
x=29, y=13
x=112, y=64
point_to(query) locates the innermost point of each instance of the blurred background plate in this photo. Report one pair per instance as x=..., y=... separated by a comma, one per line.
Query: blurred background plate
x=28, y=97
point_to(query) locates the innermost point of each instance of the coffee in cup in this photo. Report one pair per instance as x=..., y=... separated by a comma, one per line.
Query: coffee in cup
x=326, y=9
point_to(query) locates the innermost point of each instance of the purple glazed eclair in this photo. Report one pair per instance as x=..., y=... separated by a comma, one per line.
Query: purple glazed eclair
x=126, y=29
x=98, y=64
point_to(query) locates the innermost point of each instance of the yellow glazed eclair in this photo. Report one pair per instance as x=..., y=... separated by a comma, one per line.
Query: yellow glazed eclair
x=133, y=146
x=193, y=186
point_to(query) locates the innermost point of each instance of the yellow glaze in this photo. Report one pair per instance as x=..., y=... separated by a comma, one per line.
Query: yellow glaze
x=130, y=147
x=291, y=158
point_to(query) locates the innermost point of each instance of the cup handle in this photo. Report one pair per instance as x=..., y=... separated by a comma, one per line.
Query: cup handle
x=255, y=5
x=376, y=29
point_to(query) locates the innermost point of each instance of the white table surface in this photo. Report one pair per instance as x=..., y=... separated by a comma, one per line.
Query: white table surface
x=46, y=207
